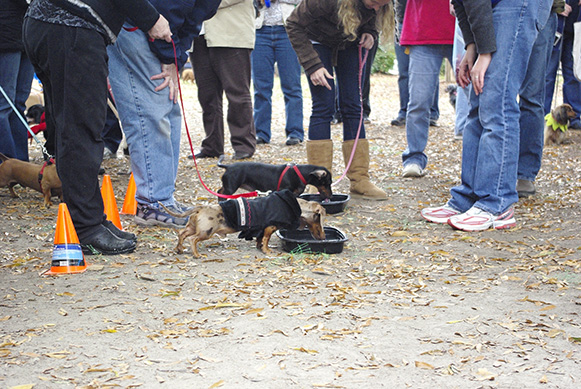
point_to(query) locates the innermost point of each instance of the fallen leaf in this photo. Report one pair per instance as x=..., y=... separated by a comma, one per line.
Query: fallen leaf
x=424, y=365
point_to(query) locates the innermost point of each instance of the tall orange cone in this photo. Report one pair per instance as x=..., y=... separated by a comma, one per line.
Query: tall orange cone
x=67, y=256
x=129, y=204
x=109, y=202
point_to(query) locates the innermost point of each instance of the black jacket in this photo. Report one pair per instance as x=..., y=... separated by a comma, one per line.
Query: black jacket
x=111, y=14
x=280, y=209
x=11, y=17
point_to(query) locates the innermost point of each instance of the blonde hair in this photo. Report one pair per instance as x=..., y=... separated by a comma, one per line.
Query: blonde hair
x=351, y=19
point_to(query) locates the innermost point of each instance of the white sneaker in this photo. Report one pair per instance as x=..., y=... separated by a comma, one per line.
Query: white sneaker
x=412, y=170
x=439, y=214
x=476, y=219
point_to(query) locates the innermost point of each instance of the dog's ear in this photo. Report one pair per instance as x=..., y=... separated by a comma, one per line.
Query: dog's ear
x=319, y=173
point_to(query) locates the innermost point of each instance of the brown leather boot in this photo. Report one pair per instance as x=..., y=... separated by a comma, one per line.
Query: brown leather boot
x=358, y=172
x=320, y=153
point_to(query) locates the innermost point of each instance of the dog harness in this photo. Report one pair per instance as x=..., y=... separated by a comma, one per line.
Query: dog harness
x=251, y=217
x=296, y=169
x=41, y=172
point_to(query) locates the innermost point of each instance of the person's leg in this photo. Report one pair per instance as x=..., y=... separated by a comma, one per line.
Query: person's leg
x=147, y=118
x=112, y=134
x=289, y=71
x=531, y=102
x=571, y=87
x=347, y=71
x=210, y=93
x=323, y=99
x=424, y=73
x=403, y=61
x=79, y=107
x=23, y=86
x=8, y=79
x=367, y=79
x=489, y=160
x=551, y=74
x=233, y=68
x=263, y=58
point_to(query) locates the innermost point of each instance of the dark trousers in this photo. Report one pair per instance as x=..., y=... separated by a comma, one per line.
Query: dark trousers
x=218, y=70
x=71, y=63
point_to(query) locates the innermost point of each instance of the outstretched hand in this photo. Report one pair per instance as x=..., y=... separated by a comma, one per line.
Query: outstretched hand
x=170, y=75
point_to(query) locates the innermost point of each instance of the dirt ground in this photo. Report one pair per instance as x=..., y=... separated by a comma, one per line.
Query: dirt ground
x=406, y=304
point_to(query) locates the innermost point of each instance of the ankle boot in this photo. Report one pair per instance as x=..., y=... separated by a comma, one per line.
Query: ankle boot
x=358, y=172
x=320, y=153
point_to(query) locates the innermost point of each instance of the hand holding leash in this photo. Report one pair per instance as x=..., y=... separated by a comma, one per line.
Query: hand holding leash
x=160, y=30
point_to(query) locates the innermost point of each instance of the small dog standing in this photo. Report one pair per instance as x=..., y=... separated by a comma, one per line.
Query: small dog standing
x=452, y=90
x=556, y=124
x=42, y=178
x=259, y=217
x=265, y=177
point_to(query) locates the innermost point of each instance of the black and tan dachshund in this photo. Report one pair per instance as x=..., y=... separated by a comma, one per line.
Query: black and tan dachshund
x=264, y=177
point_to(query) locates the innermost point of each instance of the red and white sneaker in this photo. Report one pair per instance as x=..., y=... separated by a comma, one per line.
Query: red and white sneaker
x=439, y=214
x=475, y=219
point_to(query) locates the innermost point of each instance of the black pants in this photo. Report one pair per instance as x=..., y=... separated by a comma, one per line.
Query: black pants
x=71, y=63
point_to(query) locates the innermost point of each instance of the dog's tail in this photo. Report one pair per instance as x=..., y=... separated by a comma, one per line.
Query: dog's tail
x=3, y=157
x=220, y=164
x=185, y=214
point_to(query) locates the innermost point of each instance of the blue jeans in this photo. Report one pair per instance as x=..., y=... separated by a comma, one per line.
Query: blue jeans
x=347, y=76
x=531, y=102
x=491, y=135
x=563, y=53
x=403, y=63
x=151, y=121
x=424, y=78
x=462, y=94
x=16, y=80
x=273, y=46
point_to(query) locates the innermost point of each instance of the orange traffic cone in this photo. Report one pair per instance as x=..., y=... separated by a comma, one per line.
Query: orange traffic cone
x=67, y=256
x=129, y=204
x=109, y=202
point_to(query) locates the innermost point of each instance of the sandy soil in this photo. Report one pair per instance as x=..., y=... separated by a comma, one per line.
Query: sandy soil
x=406, y=304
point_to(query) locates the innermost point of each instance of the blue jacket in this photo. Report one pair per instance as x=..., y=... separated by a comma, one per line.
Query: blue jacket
x=185, y=19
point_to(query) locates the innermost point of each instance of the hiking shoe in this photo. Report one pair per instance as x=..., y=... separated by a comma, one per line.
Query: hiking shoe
x=439, y=214
x=412, y=170
x=525, y=188
x=398, y=122
x=147, y=216
x=476, y=219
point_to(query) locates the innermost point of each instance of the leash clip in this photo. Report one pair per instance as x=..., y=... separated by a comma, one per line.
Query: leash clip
x=263, y=194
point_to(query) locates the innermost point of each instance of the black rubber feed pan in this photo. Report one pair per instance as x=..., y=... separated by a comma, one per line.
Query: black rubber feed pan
x=301, y=241
x=336, y=203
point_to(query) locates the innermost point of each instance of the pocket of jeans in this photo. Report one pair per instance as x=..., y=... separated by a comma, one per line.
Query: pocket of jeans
x=543, y=14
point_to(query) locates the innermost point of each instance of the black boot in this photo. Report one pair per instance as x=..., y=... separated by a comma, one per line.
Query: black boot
x=117, y=232
x=103, y=241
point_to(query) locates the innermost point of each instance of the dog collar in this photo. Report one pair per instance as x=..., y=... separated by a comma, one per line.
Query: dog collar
x=41, y=172
x=296, y=169
x=554, y=124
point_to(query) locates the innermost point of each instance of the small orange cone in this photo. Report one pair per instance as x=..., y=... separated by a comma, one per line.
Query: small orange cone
x=109, y=202
x=130, y=205
x=67, y=256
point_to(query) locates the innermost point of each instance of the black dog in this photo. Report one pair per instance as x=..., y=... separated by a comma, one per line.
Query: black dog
x=452, y=90
x=34, y=114
x=264, y=177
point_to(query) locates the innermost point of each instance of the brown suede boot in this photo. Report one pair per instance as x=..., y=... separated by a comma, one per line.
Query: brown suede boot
x=358, y=172
x=320, y=153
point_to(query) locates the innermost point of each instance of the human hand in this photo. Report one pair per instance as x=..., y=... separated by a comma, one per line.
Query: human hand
x=319, y=78
x=463, y=75
x=160, y=30
x=170, y=75
x=479, y=70
x=567, y=10
x=367, y=41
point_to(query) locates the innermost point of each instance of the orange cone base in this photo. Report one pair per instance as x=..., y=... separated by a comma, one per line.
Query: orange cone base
x=67, y=259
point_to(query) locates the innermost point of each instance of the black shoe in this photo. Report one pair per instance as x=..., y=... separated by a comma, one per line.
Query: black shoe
x=291, y=141
x=201, y=154
x=398, y=122
x=433, y=123
x=105, y=242
x=101, y=171
x=119, y=233
x=260, y=141
x=238, y=155
x=366, y=119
